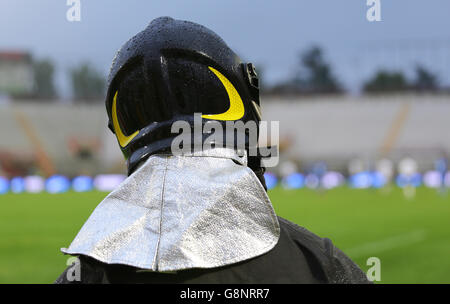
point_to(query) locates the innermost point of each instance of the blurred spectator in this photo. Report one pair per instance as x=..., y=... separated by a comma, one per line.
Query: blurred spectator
x=355, y=166
x=442, y=167
x=407, y=169
x=287, y=168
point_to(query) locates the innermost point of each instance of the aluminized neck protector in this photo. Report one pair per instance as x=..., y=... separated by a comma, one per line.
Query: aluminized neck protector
x=203, y=210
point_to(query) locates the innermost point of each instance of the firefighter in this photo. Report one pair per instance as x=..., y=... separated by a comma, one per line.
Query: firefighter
x=203, y=215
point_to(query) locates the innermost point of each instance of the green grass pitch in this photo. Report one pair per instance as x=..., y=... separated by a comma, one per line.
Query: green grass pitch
x=410, y=237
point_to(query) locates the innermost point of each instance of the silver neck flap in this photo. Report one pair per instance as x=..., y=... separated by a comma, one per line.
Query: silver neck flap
x=203, y=210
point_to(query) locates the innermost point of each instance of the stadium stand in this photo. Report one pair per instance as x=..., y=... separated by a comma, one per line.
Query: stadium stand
x=331, y=129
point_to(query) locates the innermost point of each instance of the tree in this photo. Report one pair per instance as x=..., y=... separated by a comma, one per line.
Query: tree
x=314, y=74
x=425, y=80
x=384, y=81
x=87, y=83
x=44, y=79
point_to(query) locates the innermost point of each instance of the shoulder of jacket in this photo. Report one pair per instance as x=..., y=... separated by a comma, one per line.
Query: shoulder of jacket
x=304, y=236
x=337, y=266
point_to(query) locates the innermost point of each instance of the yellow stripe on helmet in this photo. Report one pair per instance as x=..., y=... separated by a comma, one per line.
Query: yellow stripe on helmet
x=236, y=110
x=122, y=138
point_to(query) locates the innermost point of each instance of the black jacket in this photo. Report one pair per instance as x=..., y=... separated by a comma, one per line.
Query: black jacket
x=299, y=257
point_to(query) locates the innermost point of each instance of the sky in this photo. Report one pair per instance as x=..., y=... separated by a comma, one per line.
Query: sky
x=268, y=33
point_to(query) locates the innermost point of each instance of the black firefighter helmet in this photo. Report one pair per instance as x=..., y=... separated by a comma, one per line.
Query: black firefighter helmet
x=168, y=72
